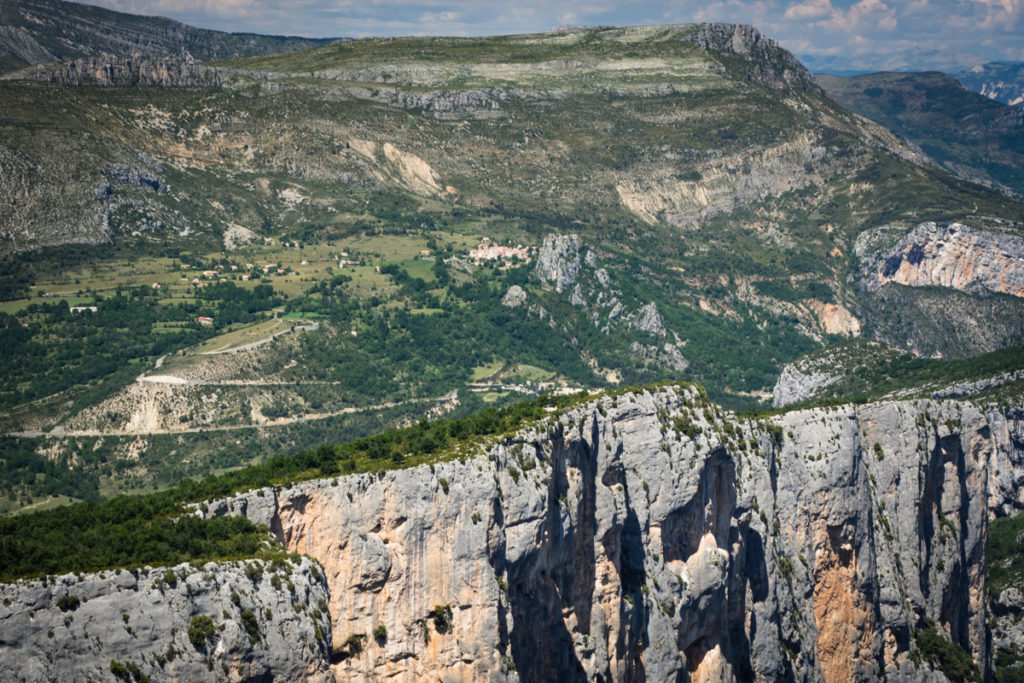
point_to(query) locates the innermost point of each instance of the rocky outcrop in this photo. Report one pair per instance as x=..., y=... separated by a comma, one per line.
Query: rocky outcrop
x=652, y=536
x=441, y=104
x=969, y=388
x=956, y=256
x=124, y=71
x=834, y=318
x=265, y=624
x=17, y=43
x=667, y=355
x=514, y=297
x=558, y=261
x=647, y=319
x=727, y=182
x=942, y=290
x=769, y=64
x=798, y=382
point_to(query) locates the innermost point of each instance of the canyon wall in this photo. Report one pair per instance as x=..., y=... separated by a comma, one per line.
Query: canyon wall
x=653, y=536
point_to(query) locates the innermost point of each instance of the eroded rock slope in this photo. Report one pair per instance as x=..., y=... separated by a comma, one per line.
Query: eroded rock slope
x=110, y=625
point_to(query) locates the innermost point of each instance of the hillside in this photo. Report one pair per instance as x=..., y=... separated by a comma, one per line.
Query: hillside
x=968, y=134
x=43, y=31
x=316, y=245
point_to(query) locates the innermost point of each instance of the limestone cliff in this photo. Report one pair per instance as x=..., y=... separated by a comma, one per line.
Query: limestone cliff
x=942, y=290
x=652, y=536
x=265, y=623
x=124, y=71
x=953, y=256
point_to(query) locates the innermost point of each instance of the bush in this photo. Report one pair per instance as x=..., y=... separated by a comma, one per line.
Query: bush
x=119, y=670
x=68, y=603
x=442, y=617
x=354, y=643
x=250, y=625
x=946, y=656
x=380, y=633
x=254, y=571
x=201, y=630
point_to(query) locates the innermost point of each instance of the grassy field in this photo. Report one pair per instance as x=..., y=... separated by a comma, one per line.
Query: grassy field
x=531, y=373
x=486, y=371
x=244, y=335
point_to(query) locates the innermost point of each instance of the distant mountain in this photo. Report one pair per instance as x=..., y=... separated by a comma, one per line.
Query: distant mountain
x=966, y=133
x=948, y=61
x=42, y=31
x=1002, y=81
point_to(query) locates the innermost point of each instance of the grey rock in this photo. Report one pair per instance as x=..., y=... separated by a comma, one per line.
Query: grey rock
x=616, y=308
x=647, y=319
x=768, y=64
x=968, y=388
x=19, y=44
x=140, y=618
x=577, y=298
x=667, y=355
x=798, y=383
x=558, y=261
x=514, y=297
x=110, y=71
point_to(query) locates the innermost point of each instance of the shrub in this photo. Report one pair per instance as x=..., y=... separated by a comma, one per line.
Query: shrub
x=68, y=603
x=201, y=630
x=119, y=670
x=254, y=571
x=250, y=625
x=946, y=656
x=380, y=633
x=354, y=643
x=442, y=617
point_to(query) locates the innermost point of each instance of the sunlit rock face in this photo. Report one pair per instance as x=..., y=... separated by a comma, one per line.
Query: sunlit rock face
x=654, y=536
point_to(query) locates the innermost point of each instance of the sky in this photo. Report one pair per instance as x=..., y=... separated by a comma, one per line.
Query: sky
x=847, y=32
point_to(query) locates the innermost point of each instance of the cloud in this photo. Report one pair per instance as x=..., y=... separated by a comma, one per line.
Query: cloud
x=813, y=9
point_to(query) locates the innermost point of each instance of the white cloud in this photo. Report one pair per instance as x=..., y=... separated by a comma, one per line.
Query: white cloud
x=812, y=9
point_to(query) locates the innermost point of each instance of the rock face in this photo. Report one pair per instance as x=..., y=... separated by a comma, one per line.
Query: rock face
x=769, y=65
x=514, y=297
x=942, y=290
x=798, y=383
x=834, y=318
x=74, y=628
x=953, y=256
x=648, y=319
x=120, y=72
x=651, y=536
x=21, y=46
x=967, y=388
x=558, y=261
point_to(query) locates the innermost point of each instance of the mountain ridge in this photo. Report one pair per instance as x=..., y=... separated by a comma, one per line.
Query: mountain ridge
x=44, y=31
